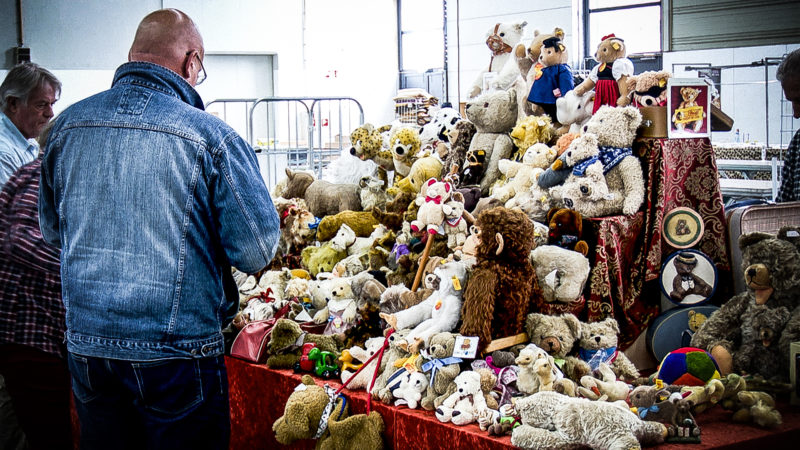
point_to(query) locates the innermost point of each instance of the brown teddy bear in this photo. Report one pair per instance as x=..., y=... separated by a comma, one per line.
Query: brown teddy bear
x=557, y=336
x=771, y=270
x=609, y=78
x=304, y=411
x=323, y=198
x=648, y=88
x=284, y=348
x=565, y=229
x=552, y=77
x=497, y=297
x=686, y=282
x=527, y=62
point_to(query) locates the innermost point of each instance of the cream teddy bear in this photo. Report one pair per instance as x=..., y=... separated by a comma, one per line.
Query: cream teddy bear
x=501, y=39
x=433, y=207
x=455, y=225
x=523, y=175
x=412, y=387
x=610, y=77
x=464, y=405
x=598, y=344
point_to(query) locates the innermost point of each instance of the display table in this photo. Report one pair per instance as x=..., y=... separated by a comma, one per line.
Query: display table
x=258, y=396
x=627, y=251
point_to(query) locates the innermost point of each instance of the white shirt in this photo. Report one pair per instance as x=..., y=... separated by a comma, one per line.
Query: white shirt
x=15, y=150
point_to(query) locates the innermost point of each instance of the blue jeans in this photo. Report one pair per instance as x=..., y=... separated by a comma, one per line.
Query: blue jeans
x=169, y=404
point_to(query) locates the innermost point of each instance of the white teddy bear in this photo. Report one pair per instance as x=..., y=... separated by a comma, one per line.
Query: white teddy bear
x=439, y=312
x=412, y=386
x=574, y=110
x=523, y=175
x=501, y=39
x=340, y=304
x=562, y=273
x=433, y=207
x=467, y=403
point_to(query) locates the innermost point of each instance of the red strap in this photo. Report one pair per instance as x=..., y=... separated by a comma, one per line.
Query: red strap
x=379, y=355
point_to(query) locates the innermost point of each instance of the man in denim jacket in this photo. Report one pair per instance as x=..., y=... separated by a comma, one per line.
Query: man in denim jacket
x=152, y=200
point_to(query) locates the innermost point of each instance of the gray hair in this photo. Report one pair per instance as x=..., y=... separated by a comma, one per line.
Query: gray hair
x=790, y=66
x=23, y=79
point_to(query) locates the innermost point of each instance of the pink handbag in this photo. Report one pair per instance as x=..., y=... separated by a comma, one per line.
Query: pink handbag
x=251, y=342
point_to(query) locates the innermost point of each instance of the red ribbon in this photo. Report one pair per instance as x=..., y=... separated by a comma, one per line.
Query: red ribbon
x=379, y=355
x=608, y=36
x=437, y=200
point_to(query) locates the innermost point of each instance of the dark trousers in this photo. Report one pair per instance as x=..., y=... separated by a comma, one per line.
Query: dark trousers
x=39, y=387
x=165, y=404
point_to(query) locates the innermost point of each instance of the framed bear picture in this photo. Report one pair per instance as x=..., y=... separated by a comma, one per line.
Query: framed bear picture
x=688, y=277
x=688, y=108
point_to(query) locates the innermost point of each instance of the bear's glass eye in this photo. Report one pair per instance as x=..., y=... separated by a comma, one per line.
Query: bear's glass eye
x=486, y=105
x=502, y=34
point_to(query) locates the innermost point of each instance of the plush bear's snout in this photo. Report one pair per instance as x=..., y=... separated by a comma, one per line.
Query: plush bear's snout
x=757, y=276
x=551, y=345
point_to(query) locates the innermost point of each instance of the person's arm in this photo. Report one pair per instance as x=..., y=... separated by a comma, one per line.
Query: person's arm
x=48, y=210
x=787, y=191
x=248, y=222
x=7, y=167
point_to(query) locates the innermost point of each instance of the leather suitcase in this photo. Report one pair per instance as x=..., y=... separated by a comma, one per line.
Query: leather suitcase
x=674, y=328
x=747, y=219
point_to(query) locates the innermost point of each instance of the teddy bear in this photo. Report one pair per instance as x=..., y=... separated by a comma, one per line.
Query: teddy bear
x=373, y=193
x=404, y=144
x=363, y=223
x=442, y=366
x=648, y=88
x=362, y=354
x=688, y=100
x=488, y=383
x=527, y=59
x=501, y=39
x=609, y=77
x=552, y=78
x=770, y=265
x=557, y=335
x=565, y=229
x=432, y=201
x=573, y=111
x=322, y=258
x=615, y=129
x=439, y=312
x=464, y=405
x=554, y=421
x=586, y=194
x=562, y=273
x=286, y=340
x=455, y=225
x=340, y=305
x=412, y=386
x=305, y=409
x=323, y=198
x=598, y=343
x=497, y=296
x=685, y=282
x=494, y=113
x=581, y=148
x=759, y=352
x=460, y=136
x=522, y=175
x=367, y=144
x=605, y=389
x=654, y=403
x=392, y=355
x=421, y=171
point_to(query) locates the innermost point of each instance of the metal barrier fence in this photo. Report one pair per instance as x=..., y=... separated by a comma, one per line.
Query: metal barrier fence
x=302, y=133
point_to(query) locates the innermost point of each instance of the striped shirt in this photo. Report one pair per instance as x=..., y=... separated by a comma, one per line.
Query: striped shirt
x=790, y=186
x=31, y=310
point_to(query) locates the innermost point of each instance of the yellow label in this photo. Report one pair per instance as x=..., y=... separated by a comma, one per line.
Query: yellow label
x=456, y=283
x=659, y=383
x=690, y=114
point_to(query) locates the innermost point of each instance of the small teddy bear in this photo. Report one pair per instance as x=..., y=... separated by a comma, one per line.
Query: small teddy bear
x=341, y=306
x=522, y=175
x=466, y=403
x=412, y=387
x=455, y=225
x=685, y=282
x=553, y=78
x=433, y=206
x=648, y=88
x=557, y=335
x=287, y=337
x=565, y=229
x=609, y=77
x=438, y=360
x=759, y=353
x=562, y=273
x=598, y=344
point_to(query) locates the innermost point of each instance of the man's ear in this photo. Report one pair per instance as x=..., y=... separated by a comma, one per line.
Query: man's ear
x=12, y=103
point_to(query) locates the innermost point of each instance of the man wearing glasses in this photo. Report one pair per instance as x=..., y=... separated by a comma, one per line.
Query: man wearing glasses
x=27, y=96
x=152, y=200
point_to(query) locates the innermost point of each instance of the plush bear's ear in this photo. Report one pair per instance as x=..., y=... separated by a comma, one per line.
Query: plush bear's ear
x=611, y=322
x=289, y=173
x=430, y=181
x=558, y=32
x=573, y=324
x=552, y=213
x=790, y=234
x=749, y=239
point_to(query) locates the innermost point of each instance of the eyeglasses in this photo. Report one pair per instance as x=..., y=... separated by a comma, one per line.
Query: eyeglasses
x=201, y=76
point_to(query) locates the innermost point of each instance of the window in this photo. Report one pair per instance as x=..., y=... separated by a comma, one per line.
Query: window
x=637, y=22
x=421, y=35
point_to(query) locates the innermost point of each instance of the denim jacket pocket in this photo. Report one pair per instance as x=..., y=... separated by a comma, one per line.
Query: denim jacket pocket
x=170, y=387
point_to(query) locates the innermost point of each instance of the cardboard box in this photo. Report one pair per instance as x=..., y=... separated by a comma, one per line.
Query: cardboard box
x=654, y=122
x=794, y=371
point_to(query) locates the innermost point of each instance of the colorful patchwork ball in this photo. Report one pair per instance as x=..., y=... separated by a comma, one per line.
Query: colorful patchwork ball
x=688, y=366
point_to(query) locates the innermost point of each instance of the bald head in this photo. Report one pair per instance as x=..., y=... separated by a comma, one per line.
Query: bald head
x=165, y=37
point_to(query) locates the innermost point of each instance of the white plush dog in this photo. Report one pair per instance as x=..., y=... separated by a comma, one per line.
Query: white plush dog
x=467, y=403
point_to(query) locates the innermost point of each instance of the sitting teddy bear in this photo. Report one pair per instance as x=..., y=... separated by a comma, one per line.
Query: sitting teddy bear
x=598, y=344
x=562, y=273
x=466, y=403
x=686, y=282
x=412, y=387
x=573, y=111
x=609, y=77
x=493, y=113
x=565, y=229
x=286, y=340
x=442, y=366
x=770, y=266
x=682, y=117
x=522, y=175
x=557, y=335
x=648, y=88
x=455, y=225
x=432, y=201
x=552, y=78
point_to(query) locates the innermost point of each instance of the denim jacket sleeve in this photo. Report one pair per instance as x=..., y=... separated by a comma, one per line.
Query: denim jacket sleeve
x=247, y=219
x=48, y=215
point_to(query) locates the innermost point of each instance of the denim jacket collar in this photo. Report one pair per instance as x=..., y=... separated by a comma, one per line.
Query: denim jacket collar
x=159, y=78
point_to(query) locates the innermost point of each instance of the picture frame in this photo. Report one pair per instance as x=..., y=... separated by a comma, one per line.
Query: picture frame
x=466, y=347
x=688, y=108
x=682, y=227
x=688, y=277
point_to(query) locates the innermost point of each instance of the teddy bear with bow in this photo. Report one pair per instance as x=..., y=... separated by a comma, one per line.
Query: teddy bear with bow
x=609, y=78
x=432, y=201
x=552, y=79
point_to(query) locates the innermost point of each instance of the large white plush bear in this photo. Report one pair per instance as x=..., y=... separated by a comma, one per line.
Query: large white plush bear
x=439, y=312
x=562, y=273
x=501, y=39
x=494, y=114
x=464, y=405
x=554, y=421
x=523, y=175
x=615, y=128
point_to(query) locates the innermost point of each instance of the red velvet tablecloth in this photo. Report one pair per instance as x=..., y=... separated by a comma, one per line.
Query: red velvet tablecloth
x=629, y=250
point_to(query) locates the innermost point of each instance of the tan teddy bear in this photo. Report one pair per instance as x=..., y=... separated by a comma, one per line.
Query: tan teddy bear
x=609, y=77
x=598, y=344
x=527, y=59
x=557, y=335
x=689, y=100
